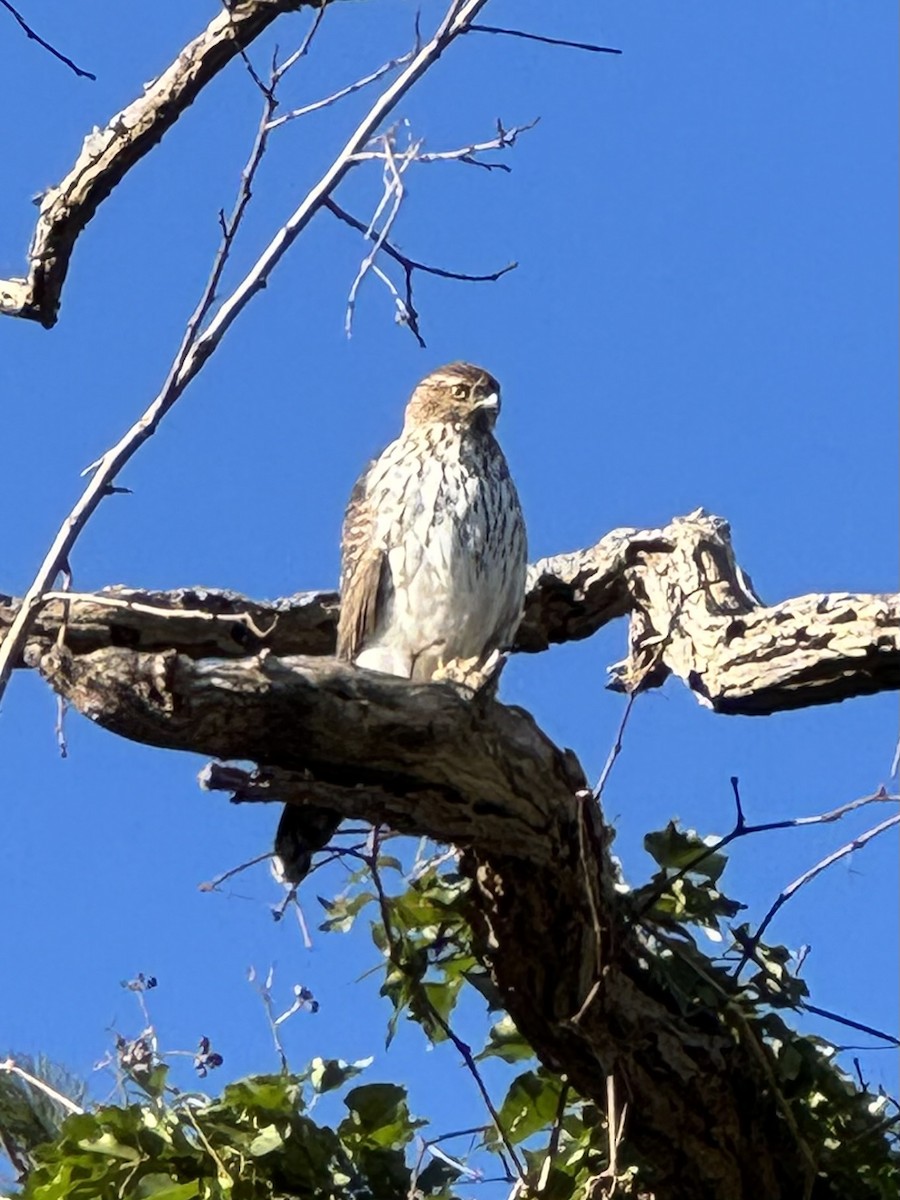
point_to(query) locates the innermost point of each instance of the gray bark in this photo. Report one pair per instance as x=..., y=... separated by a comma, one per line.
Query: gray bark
x=218, y=674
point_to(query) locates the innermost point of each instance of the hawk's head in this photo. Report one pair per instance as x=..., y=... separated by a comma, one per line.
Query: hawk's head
x=458, y=394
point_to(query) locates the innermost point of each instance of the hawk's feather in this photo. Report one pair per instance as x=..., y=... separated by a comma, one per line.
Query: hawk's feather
x=434, y=552
x=432, y=559
x=366, y=586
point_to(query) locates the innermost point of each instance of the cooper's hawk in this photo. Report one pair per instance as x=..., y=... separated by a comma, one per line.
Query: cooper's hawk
x=433, y=557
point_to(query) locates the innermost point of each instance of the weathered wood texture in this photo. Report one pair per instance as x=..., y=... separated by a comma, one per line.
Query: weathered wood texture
x=218, y=674
x=692, y=610
x=427, y=759
x=109, y=153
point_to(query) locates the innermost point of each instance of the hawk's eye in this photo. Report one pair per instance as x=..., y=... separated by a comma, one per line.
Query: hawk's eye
x=459, y=391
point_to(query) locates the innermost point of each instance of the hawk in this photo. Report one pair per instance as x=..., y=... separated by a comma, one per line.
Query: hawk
x=433, y=557
x=433, y=548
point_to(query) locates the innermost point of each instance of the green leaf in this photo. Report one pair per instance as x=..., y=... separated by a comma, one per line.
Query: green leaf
x=163, y=1187
x=387, y=862
x=530, y=1105
x=385, y=1171
x=688, y=900
x=326, y=1074
x=269, y=1094
x=343, y=911
x=505, y=1041
x=107, y=1143
x=379, y=1115
x=441, y=998
x=436, y=1175
x=268, y=1139
x=679, y=849
x=482, y=982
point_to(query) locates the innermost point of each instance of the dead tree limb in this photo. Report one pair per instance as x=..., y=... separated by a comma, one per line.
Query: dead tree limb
x=692, y=610
x=108, y=154
x=197, y=346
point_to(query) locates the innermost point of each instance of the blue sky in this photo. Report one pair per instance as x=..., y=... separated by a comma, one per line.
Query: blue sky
x=704, y=314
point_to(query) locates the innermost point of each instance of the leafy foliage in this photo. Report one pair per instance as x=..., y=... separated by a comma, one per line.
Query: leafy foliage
x=258, y=1140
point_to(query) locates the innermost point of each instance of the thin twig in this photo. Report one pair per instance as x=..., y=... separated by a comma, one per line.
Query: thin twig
x=223, y=1176
x=404, y=316
x=12, y=1068
x=212, y=885
x=245, y=58
x=504, y=139
x=553, y=1140
x=413, y=264
x=410, y=266
x=463, y=1050
x=742, y=829
x=278, y=72
x=586, y=797
x=106, y=600
x=615, y=1130
x=393, y=194
x=46, y=45
x=62, y=704
x=550, y=41
x=265, y=994
x=616, y=749
x=196, y=349
x=870, y=1029
x=857, y=843
x=375, y=75
x=431, y=1146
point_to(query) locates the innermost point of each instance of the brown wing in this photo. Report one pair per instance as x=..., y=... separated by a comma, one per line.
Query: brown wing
x=366, y=584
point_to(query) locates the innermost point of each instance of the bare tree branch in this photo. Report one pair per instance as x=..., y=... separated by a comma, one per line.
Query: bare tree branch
x=196, y=350
x=393, y=197
x=30, y=33
x=410, y=266
x=109, y=153
x=743, y=829
x=695, y=615
x=327, y=101
x=792, y=888
x=548, y=41
x=10, y=1067
x=467, y=154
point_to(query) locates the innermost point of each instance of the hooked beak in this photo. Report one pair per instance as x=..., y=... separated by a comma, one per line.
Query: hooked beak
x=490, y=402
